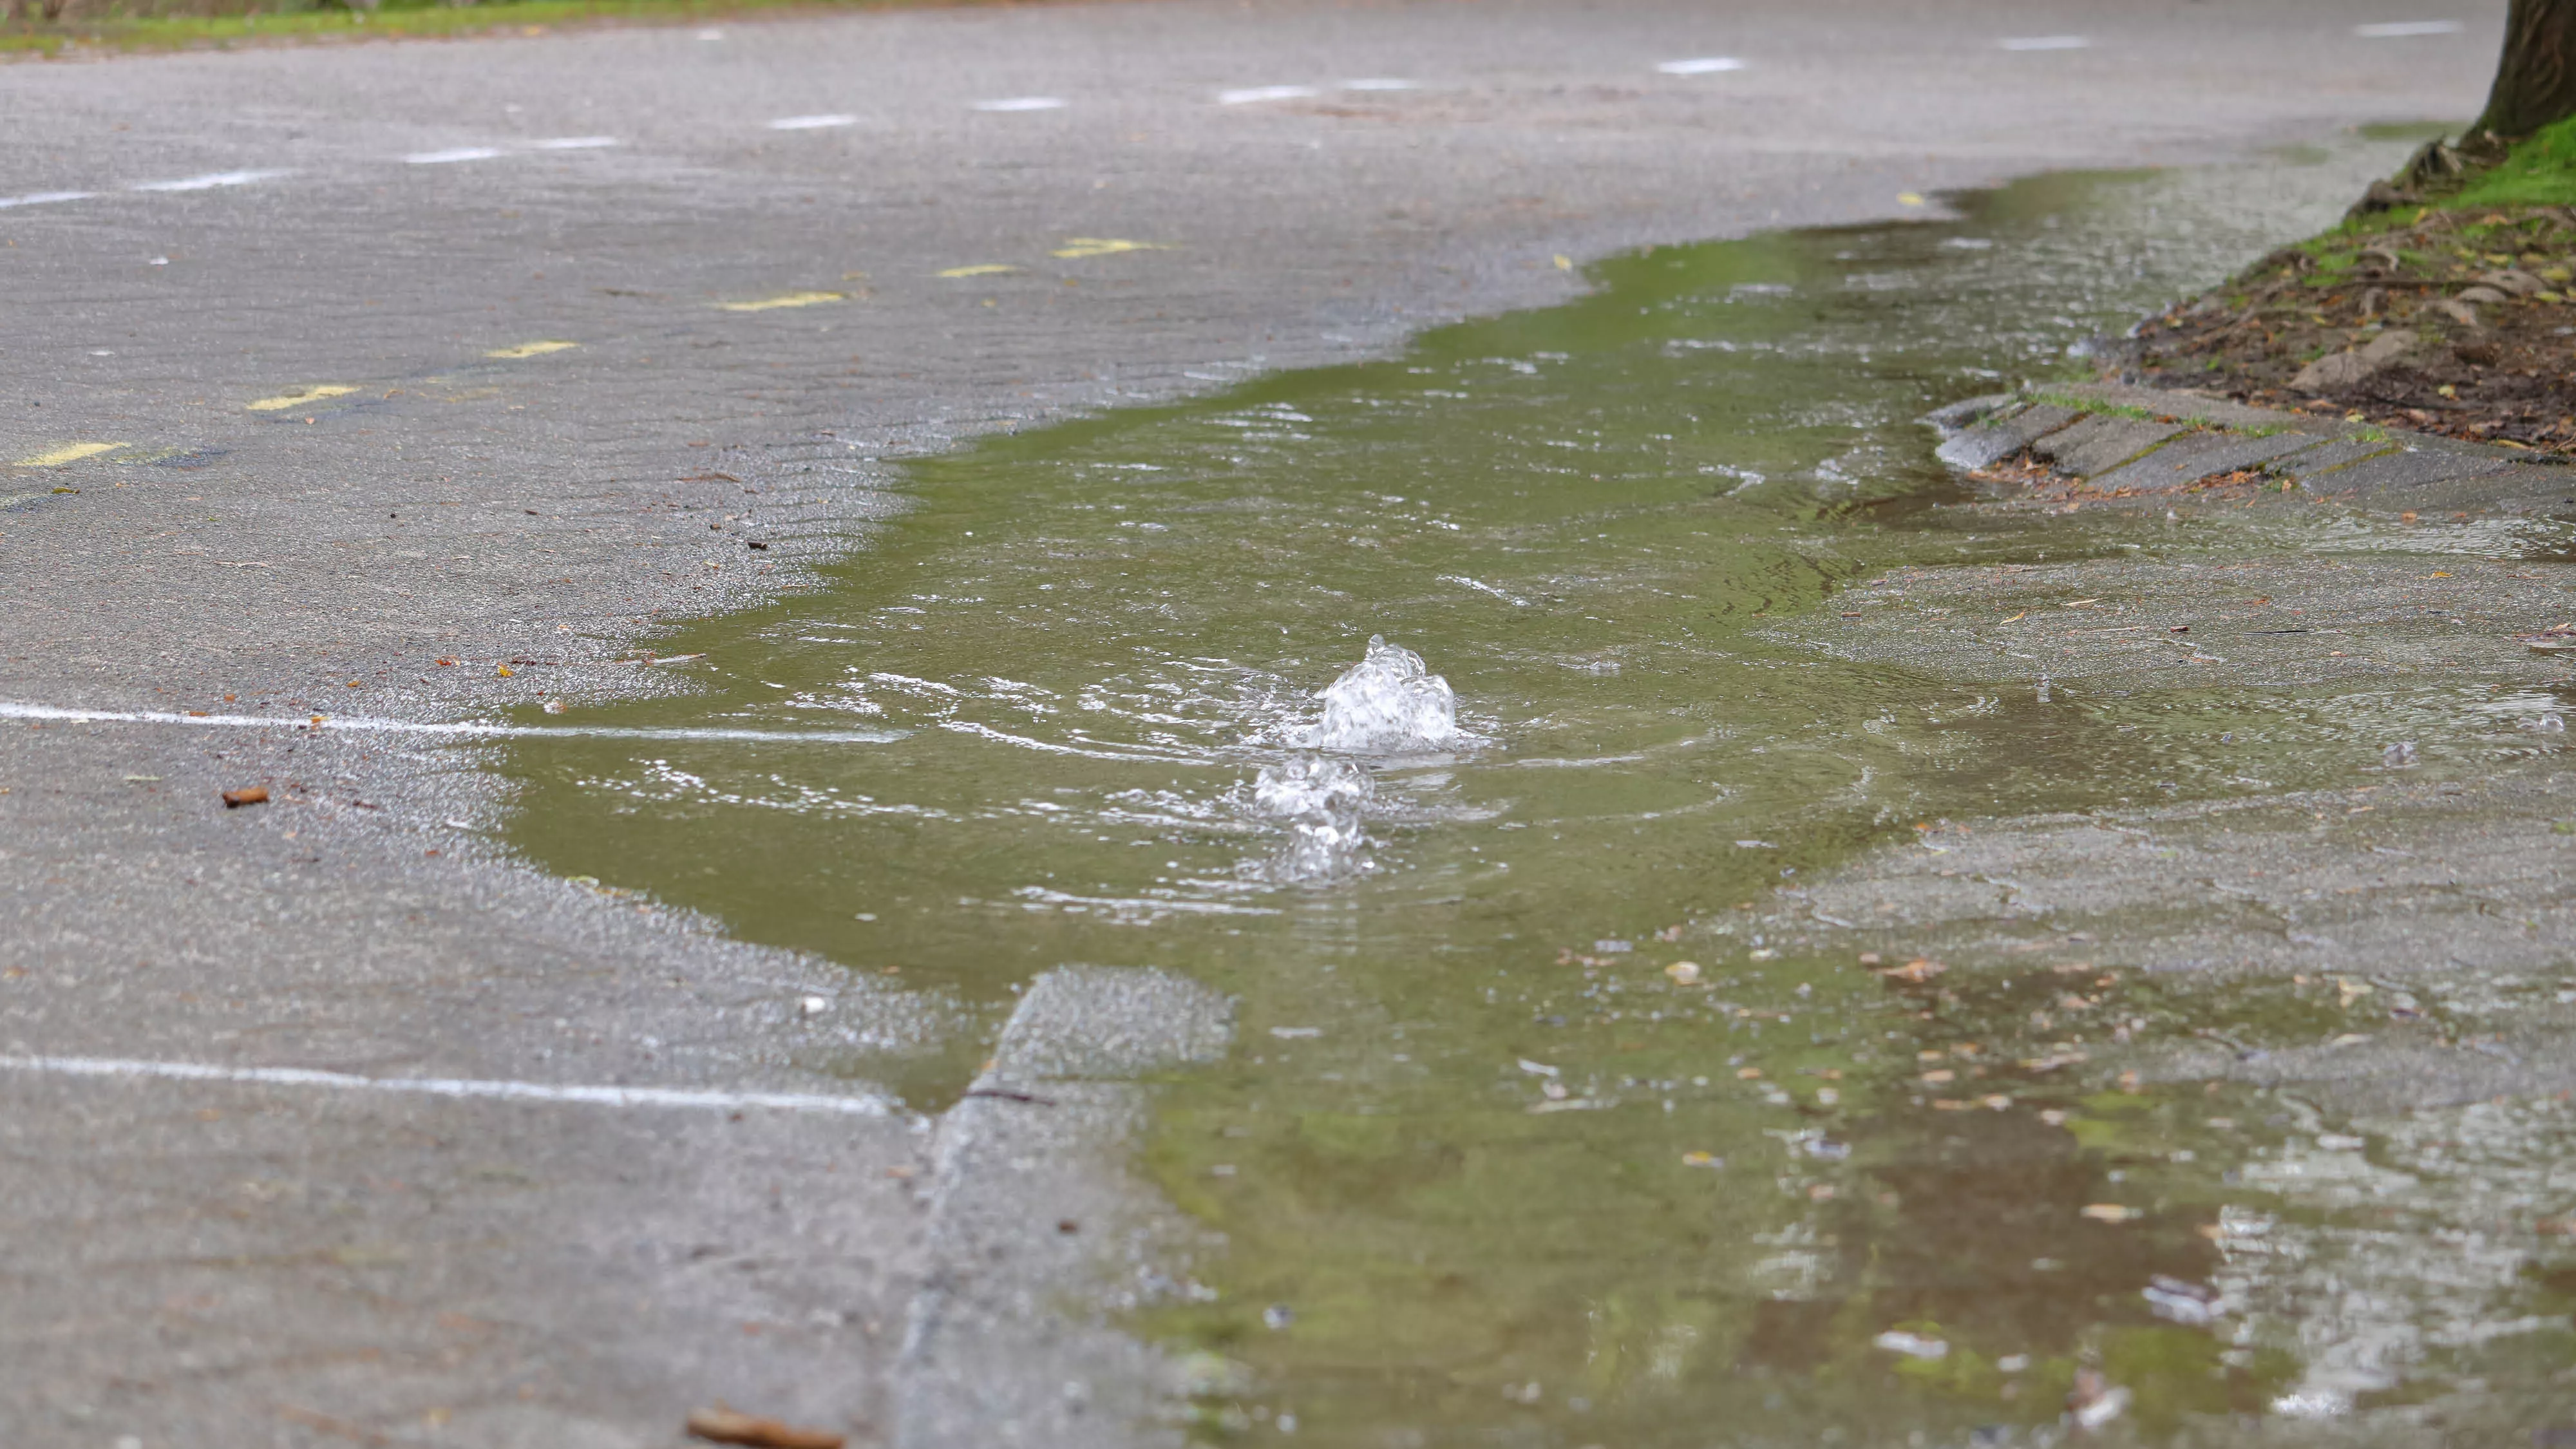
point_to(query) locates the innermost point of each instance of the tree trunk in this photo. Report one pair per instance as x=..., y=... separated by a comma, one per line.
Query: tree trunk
x=2535, y=82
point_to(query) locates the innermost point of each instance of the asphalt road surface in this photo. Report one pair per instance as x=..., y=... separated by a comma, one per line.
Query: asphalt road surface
x=287, y=428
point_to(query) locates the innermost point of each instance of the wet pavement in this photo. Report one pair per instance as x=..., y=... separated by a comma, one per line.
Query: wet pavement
x=295, y=439
x=1611, y=1060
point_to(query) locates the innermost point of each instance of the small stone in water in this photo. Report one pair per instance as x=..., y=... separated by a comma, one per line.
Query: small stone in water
x=1683, y=973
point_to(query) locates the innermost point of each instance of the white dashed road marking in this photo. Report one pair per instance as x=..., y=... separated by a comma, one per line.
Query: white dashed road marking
x=207, y=182
x=1700, y=65
x=856, y=1105
x=1250, y=94
x=1245, y=95
x=462, y=729
x=453, y=154
x=2396, y=29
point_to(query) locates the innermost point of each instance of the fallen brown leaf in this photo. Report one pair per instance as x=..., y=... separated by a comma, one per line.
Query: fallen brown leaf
x=723, y=1426
x=255, y=795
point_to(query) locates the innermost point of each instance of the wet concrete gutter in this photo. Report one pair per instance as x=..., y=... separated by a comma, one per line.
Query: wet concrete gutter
x=1004, y=1285
x=2419, y=884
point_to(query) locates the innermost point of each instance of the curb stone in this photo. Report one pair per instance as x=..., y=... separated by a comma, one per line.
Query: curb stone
x=1007, y=1341
x=2124, y=442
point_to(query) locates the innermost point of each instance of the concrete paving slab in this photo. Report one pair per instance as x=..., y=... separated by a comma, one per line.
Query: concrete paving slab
x=2414, y=466
x=1996, y=438
x=2524, y=488
x=2191, y=407
x=2186, y=460
x=1023, y=1217
x=2100, y=443
x=2324, y=459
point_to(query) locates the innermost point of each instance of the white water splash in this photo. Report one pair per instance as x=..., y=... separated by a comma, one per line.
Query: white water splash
x=1321, y=802
x=1388, y=703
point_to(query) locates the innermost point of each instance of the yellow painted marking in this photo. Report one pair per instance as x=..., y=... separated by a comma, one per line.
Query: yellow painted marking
x=67, y=453
x=791, y=299
x=983, y=269
x=300, y=397
x=1908, y=198
x=1104, y=246
x=531, y=349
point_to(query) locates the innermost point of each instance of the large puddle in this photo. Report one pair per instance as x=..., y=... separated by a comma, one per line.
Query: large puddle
x=1492, y=1163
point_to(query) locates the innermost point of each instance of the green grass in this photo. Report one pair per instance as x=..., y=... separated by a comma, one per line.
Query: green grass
x=151, y=27
x=2540, y=172
x=2083, y=404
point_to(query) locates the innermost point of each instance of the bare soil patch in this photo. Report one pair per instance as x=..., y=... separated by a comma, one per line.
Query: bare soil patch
x=2456, y=323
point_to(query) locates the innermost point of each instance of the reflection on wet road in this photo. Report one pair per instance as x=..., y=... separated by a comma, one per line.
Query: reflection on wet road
x=1538, y=1130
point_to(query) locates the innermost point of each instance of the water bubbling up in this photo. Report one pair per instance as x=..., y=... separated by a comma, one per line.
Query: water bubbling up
x=1388, y=703
x=1321, y=801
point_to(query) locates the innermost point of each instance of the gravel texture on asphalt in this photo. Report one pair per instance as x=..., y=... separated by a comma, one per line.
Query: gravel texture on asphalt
x=284, y=437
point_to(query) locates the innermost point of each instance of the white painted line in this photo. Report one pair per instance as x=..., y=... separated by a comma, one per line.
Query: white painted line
x=1250, y=94
x=44, y=198
x=2394, y=29
x=811, y=123
x=451, y=155
x=463, y=729
x=575, y=143
x=868, y=1105
x=207, y=182
x=1021, y=103
x=2045, y=42
x=1700, y=65
x=1380, y=83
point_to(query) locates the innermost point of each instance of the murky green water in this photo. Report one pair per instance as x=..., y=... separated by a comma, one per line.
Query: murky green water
x=1487, y=1173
